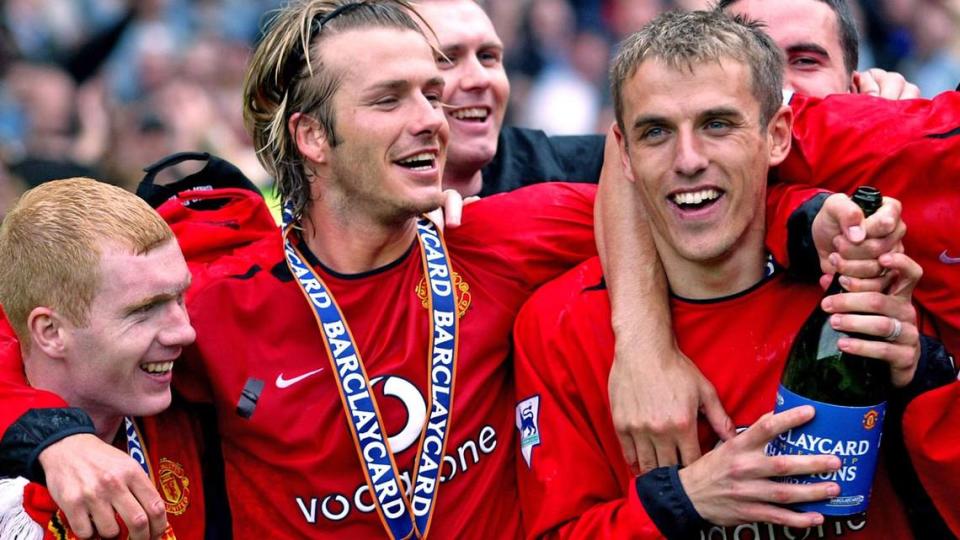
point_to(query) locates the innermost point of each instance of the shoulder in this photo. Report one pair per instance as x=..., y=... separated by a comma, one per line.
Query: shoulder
x=575, y=298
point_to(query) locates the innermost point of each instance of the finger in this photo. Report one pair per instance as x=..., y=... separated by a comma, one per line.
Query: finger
x=861, y=268
x=79, y=519
x=892, y=86
x=886, y=220
x=689, y=447
x=713, y=410
x=794, y=465
x=786, y=493
x=666, y=451
x=768, y=513
x=452, y=208
x=865, y=84
x=150, y=503
x=629, y=452
x=104, y=520
x=910, y=91
x=876, y=284
x=878, y=326
x=770, y=425
x=646, y=456
x=906, y=271
x=868, y=249
x=133, y=515
x=869, y=304
x=471, y=199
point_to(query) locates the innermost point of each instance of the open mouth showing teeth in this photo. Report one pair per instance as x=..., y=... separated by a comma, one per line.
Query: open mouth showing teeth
x=420, y=162
x=157, y=368
x=472, y=114
x=694, y=200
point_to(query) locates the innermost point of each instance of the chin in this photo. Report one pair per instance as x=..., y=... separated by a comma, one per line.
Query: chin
x=475, y=155
x=153, y=404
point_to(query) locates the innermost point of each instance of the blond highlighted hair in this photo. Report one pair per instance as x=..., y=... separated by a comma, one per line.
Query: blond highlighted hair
x=50, y=245
x=287, y=75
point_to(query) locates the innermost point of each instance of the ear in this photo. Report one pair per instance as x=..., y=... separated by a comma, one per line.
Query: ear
x=47, y=331
x=624, y=155
x=780, y=135
x=310, y=137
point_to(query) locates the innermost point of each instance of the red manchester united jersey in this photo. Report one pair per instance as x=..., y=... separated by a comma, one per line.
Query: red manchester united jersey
x=292, y=470
x=574, y=481
x=169, y=441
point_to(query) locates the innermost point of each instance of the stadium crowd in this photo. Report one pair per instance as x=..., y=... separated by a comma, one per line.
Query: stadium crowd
x=146, y=78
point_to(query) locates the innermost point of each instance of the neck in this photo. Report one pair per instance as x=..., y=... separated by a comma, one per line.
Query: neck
x=45, y=374
x=467, y=181
x=728, y=274
x=351, y=244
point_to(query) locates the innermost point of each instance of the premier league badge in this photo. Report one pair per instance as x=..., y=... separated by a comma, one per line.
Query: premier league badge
x=528, y=414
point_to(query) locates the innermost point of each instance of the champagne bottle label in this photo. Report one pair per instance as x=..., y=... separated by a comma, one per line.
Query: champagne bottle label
x=850, y=433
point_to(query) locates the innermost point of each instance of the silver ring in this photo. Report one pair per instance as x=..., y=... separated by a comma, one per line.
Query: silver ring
x=897, y=330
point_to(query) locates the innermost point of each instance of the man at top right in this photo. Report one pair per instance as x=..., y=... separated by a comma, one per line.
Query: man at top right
x=819, y=40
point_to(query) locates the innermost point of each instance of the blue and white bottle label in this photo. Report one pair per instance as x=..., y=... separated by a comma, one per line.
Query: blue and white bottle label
x=850, y=433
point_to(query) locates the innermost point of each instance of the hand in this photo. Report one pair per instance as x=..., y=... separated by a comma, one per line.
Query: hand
x=90, y=480
x=451, y=211
x=874, y=313
x=654, y=406
x=840, y=229
x=885, y=84
x=732, y=484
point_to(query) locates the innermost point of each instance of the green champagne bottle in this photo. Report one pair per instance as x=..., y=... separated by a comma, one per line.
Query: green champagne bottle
x=849, y=393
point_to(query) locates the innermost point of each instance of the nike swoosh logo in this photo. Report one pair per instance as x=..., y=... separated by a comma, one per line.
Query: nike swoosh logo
x=946, y=259
x=284, y=383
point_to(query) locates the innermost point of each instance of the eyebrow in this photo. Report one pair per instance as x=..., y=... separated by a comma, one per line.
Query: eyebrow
x=401, y=84
x=807, y=48
x=458, y=47
x=721, y=111
x=653, y=119
x=647, y=120
x=165, y=296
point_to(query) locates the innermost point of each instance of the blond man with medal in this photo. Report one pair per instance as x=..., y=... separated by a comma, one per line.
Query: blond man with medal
x=93, y=282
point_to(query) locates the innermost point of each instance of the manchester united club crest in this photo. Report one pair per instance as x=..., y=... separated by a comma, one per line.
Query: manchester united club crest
x=870, y=419
x=460, y=286
x=174, y=486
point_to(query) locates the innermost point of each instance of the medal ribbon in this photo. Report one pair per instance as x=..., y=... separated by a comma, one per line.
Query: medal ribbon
x=135, y=446
x=360, y=405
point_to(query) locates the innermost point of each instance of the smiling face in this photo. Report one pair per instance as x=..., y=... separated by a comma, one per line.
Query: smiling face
x=477, y=89
x=392, y=135
x=119, y=363
x=809, y=34
x=699, y=157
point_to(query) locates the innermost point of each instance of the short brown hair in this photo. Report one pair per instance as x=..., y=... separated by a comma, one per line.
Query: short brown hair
x=288, y=75
x=50, y=245
x=684, y=39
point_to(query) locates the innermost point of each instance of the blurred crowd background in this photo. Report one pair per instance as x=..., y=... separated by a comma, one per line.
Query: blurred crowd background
x=103, y=88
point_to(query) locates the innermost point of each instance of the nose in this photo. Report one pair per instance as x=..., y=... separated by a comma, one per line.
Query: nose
x=689, y=159
x=177, y=330
x=429, y=119
x=473, y=74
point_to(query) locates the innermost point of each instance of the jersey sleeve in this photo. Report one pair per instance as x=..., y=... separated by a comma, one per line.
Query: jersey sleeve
x=839, y=141
x=569, y=485
x=791, y=209
x=931, y=429
x=30, y=419
x=536, y=233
